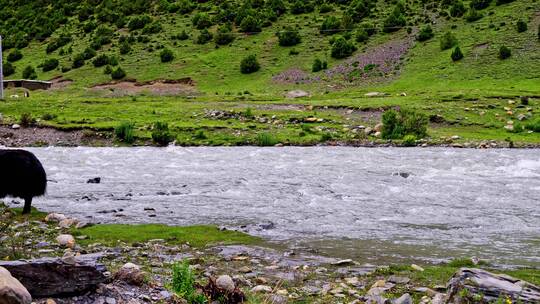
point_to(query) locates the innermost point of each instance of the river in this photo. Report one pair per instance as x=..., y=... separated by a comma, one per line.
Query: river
x=372, y=204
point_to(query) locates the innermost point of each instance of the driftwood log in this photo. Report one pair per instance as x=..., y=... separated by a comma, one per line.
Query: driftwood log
x=57, y=277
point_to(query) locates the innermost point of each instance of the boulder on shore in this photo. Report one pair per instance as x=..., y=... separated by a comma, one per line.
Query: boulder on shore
x=491, y=287
x=11, y=290
x=52, y=277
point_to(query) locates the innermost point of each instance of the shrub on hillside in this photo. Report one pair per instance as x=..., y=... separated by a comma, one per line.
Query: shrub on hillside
x=448, y=40
x=161, y=134
x=425, y=33
x=361, y=35
x=57, y=43
x=342, y=48
x=50, y=64
x=409, y=140
x=124, y=132
x=501, y=2
x=250, y=24
x=319, y=65
x=405, y=122
x=27, y=120
x=504, y=52
x=9, y=69
x=277, y=6
x=29, y=73
x=125, y=48
x=101, y=60
x=118, y=74
x=201, y=21
x=395, y=21
x=138, y=22
x=458, y=9
x=538, y=32
x=78, y=61
x=152, y=28
x=473, y=15
x=224, y=35
x=204, y=37
x=359, y=9
x=182, y=36
x=330, y=25
x=521, y=26
x=301, y=7
x=533, y=125
x=288, y=37
x=266, y=140
x=15, y=55
x=166, y=55
x=88, y=53
x=456, y=54
x=325, y=8
x=249, y=64
x=182, y=7
x=479, y=4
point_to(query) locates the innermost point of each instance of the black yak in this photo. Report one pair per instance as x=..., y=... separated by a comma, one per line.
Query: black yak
x=21, y=175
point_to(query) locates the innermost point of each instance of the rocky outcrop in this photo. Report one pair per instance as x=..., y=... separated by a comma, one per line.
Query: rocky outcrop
x=485, y=287
x=11, y=290
x=50, y=277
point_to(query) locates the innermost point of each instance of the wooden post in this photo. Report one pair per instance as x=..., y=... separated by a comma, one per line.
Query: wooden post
x=1, y=72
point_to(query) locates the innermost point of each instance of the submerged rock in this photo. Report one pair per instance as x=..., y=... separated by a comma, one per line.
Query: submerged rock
x=490, y=287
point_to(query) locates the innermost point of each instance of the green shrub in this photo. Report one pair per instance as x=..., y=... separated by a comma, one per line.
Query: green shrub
x=183, y=35
x=361, y=35
x=521, y=26
x=426, y=33
x=501, y=2
x=395, y=21
x=101, y=60
x=138, y=22
x=118, y=74
x=448, y=40
x=504, y=52
x=204, y=37
x=479, y=4
x=88, y=53
x=538, y=32
x=201, y=21
x=108, y=70
x=125, y=48
x=405, y=122
x=249, y=64
x=182, y=7
x=50, y=64
x=161, y=134
x=124, y=132
x=9, y=69
x=456, y=54
x=29, y=73
x=266, y=140
x=330, y=25
x=200, y=135
x=224, y=35
x=48, y=116
x=301, y=7
x=78, y=61
x=533, y=125
x=250, y=24
x=57, y=43
x=457, y=9
x=152, y=28
x=342, y=48
x=319, y=65
x=326, y=8
x=409, y=140
x=166, y=55
x=26, y=120
x=473, y=15
x=15, y=55
x=288, y=37
x=183, y=284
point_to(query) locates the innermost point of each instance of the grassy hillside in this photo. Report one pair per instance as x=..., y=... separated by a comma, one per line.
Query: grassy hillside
x=392, y=47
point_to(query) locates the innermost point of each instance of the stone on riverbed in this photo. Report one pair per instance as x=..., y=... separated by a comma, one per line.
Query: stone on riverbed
x=131, y=274
x=50, y=277
x=225, y=282
x=11, y=290
x=66, y=240
x=491, y=287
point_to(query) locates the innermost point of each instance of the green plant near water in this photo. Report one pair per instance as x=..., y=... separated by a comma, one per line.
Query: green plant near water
x=184, y=285
x=266, y=140
x=161, y=134
x=125, y=132
x=405, y=122
x=409, y=140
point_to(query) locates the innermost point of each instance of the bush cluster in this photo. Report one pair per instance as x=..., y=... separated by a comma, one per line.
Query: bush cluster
x=456, y=54
x=161, y=134
x=249, y=64
x=125, y=132
x=29, y=73
x=288, y=37
x=15, y=55
x=319, y=65
x=166, y=55
x=342, y=48
x=405, y=122
x=448, y=40
x=50, y=64
x=504, y=52
x=118, y=74
x=425, y=33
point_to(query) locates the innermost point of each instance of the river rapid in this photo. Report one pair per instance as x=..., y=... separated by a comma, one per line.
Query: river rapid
x=372, y=204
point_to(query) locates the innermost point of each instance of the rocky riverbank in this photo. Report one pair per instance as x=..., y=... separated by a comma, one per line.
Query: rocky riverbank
x=140, y=272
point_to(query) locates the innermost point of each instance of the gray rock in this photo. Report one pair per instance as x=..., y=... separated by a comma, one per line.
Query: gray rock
x=11, y=290
x=490, y=286
x=131, y=274
x=404, y=299
x=225, y=282
x=51, y=277
x=398, y=280
x=277, y=299
x=261, y=289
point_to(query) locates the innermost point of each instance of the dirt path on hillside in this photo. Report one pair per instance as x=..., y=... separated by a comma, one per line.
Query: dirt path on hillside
x=160, y=87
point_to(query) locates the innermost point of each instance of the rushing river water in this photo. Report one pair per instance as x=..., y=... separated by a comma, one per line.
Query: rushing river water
x=346, y=202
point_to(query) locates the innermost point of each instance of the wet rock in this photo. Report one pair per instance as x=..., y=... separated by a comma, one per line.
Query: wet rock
x=66, y=240
x=11, y=290
x=51, y=277
x=131, y=274
x=16, y=126
x=404, y=299
x=55, y=217
x=95, y=180
x=490, y=286
x=225, y=282
x=261, y=289
x=343, y=262
x=402, y=174
x=398, y=280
